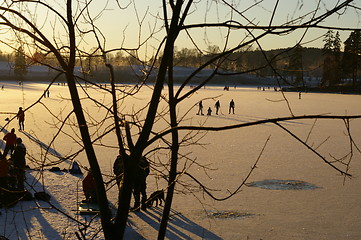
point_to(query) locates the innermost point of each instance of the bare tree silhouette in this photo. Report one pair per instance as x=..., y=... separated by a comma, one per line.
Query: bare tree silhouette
x=137, y=131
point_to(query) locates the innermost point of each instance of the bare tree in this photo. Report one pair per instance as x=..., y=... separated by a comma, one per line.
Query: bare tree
x=136, y=134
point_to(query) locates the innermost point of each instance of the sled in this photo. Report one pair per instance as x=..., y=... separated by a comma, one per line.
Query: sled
x=88, y=208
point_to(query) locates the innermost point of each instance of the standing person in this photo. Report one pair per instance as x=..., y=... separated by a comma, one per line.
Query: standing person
x=118, y=169
x=19, y=163
x=217, y=106
x=10, y=139
x=21, y=117
x=200, y=108
x=140, y=184
x=231, y=107
x=89, y=188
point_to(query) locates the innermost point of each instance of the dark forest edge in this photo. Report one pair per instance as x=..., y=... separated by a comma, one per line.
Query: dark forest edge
x=340, y=89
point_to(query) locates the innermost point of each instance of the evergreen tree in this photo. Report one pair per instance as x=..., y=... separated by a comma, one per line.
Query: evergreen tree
x=20, y=67
x=3, y=57
x=295, y=65
x=331, y=64
x=351, y=57
x=337, y=56
x=328, y=40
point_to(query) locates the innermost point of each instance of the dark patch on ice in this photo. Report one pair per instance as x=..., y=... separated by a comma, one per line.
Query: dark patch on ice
x=274, y=184
x=229, y=214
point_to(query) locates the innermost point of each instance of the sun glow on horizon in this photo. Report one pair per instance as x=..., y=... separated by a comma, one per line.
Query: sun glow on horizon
x=139, y=25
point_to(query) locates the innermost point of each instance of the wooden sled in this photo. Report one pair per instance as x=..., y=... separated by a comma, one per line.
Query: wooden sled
x=88, y=208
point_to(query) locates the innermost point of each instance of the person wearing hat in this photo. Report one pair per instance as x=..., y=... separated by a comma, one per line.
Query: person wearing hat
x=21, y=117
x=19, y=163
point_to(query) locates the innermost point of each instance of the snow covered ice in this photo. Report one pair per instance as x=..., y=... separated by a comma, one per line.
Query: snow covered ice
x=330, y=211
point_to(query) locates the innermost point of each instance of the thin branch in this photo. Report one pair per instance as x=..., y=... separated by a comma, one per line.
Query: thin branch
x=314, y=151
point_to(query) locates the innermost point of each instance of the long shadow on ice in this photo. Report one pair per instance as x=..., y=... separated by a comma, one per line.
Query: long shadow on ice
x=43, y=145
x=179, y=227
x=18, y=221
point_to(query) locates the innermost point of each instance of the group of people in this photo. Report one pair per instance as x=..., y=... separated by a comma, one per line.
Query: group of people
x=217, y=106
x=12, y=170
x=139, y=187
x=140, y=180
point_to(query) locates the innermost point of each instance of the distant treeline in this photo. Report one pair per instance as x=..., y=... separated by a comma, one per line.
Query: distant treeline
x=293, y=65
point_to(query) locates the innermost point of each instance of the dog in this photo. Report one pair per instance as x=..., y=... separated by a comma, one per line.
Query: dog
x=157, y=196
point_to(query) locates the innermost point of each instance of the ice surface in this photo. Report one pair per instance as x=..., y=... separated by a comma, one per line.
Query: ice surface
x=331, y=211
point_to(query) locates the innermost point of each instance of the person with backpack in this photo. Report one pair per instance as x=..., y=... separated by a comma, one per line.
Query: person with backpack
x=140, y=184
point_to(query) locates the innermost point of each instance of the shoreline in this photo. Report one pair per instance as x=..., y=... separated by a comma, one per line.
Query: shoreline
x=346, y=89
x=355, y=90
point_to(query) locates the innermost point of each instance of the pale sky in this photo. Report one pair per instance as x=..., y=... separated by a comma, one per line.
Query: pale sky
x=121, y=27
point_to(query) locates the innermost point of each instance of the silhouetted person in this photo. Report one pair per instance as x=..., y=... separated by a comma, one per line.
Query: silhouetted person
x=89, y=188
x=231, y=107
x=209, y=111
x=140, y=184
x=118, y=169
x=200, y=108
x=19, y=163
x=21, y=117
x=10, y=139
x=217, y=106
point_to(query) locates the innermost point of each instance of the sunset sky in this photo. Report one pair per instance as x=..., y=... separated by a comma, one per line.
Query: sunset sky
x=130, y=26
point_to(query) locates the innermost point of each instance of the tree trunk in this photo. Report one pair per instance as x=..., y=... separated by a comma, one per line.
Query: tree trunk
x=84, y=131
x=174, y=155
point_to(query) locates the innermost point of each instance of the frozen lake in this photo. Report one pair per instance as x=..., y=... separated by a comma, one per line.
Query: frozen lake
x=330, y=210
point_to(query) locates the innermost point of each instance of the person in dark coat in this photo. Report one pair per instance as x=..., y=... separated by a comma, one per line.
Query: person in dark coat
x=231, y=107
x=209, y=111
x=217, y=106
x=10, y=139
x=89, y=188
x=140, y=184
x=118, y=169
x=21, y=117
x=200, y=108
x=19, y=163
